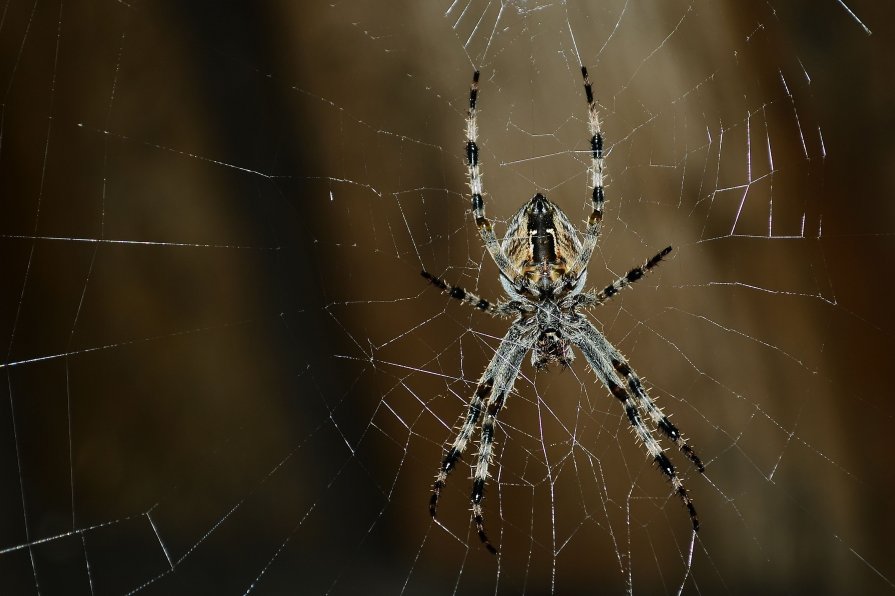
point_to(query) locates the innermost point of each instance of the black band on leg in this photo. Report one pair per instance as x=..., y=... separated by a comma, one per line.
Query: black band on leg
x=588, y=90
x=472, y=153
x=474, y=91
x=596, y=146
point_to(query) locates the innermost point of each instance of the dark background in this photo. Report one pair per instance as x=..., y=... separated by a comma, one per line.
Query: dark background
x=220, y=365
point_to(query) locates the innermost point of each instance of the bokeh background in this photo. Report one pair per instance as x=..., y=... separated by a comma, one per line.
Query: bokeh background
x=222, y=372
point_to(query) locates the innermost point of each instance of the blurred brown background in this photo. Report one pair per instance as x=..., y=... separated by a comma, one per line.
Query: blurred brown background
x=222, y=370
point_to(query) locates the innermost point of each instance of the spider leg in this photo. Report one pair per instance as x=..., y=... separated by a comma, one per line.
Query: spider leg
x=588, y=299
x=482, y=391
x=594, y=222
x=655, y=413
x=599, y=353
x=502, y=309
x=495, y=403
x=495, y=383
x=473, y=170
x=646, y=402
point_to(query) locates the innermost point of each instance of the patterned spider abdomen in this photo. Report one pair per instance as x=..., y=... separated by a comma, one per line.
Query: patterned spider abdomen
x=541, y=242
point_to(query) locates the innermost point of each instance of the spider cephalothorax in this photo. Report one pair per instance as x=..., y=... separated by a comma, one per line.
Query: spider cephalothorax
x=543, y=268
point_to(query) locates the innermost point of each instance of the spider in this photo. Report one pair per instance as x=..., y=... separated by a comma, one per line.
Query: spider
x=543, y=268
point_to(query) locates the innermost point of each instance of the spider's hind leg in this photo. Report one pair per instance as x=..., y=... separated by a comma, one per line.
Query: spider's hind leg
x=474, y=173
x=596, y=172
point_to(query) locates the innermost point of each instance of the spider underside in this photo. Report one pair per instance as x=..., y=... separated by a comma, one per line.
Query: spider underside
x=543, y=269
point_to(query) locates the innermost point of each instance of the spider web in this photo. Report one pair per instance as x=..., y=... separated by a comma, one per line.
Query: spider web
x=223, y=373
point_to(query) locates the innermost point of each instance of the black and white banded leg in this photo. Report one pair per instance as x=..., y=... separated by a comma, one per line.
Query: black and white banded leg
x=474, y=173
x=645, y=402
x=596, y=171
x=483, y=459
x=587, y=299
x=597, y=351
x=490, y=394
x=655, y=412
x=501, y=309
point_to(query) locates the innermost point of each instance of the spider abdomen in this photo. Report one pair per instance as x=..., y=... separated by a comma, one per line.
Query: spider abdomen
x=541, y=242
x=540, y=231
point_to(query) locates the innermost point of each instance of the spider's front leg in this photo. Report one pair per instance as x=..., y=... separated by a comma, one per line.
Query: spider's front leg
x=490, y=394
x=655, y=413
x=606, y=363
x=482, y=392
x=495, y=403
